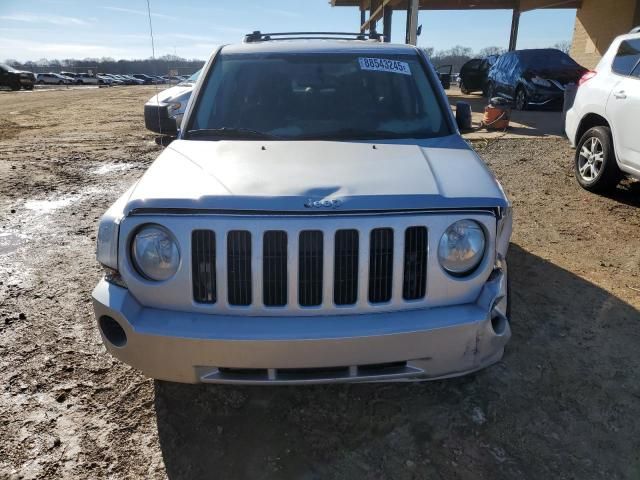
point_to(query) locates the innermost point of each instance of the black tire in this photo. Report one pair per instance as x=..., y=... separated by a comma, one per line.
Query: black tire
x=489, y=90
x=594, y=175
x=521, y=102
x=28, y=87
x=40, y=82
x=60, y=82
x=15, y=86
x=464, y=89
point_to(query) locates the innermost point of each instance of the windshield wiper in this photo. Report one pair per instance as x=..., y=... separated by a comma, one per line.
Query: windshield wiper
x=357, y=134
x=230, y=132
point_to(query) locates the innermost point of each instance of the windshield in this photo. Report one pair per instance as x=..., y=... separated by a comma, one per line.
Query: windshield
x=192, y=79
x=317, y=96
x=547, y=59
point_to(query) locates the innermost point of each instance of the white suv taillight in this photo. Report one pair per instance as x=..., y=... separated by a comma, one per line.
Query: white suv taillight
x=586, y=77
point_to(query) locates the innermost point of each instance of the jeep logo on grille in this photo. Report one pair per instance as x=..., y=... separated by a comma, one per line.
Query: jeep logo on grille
x=310, y=203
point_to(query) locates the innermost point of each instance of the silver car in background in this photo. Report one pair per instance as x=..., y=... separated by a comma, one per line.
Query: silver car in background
x=163, y=112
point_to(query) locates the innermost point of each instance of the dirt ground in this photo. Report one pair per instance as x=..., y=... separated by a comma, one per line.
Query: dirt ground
x=564, y=402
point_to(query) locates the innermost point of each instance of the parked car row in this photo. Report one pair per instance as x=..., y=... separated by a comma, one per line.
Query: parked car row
x=15, y=79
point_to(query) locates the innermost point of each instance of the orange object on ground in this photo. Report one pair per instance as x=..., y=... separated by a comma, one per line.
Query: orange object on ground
x=496, y=117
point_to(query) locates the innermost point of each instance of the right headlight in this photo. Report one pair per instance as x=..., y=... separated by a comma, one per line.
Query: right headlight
x=155, y=253
x=462, y=247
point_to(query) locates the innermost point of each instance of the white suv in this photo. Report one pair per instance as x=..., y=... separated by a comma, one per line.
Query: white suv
x=602, y=123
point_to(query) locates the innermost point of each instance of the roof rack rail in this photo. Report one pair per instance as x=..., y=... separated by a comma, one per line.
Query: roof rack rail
x=635, y=30
x=258, y=36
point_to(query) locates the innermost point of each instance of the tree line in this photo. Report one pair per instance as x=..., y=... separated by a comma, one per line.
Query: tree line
x=455, y=56
x=150, y=66
x=459, y=55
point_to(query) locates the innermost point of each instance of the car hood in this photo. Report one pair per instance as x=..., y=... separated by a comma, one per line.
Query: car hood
x=170, y=94
x=316, y=176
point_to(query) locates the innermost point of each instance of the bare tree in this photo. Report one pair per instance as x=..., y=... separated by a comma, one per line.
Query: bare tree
x=564, y=46
x=488, y=51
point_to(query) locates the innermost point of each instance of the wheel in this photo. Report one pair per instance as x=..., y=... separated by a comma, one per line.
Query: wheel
x=15, y=86
x=60, y=82
x=595, y=161
x=489, y=90
x=521, y=101
x=464, y=89
x=100, y=82
x=40, y=82
x=28, y=87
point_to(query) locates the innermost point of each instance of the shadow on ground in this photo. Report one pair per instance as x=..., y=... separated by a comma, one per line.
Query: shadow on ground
x=563, y=403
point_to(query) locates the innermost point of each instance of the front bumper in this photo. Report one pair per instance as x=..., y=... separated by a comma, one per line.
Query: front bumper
x=546, y=98
x=415, y=344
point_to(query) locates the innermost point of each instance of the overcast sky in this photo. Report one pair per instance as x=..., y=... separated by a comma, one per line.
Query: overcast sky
x=35, y=29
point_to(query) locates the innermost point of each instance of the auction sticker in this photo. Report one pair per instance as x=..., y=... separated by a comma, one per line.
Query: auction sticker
x=384, y=65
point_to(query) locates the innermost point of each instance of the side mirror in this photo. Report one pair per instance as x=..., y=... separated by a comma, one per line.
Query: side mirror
x=463, y=116
x=156, y=119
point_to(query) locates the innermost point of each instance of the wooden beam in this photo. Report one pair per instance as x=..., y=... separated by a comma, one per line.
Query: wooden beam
x=515, y=24
x=528, y=5
x=377, y=13
x=470, y=4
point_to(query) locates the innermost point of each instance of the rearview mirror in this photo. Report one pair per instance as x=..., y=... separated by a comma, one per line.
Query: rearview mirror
x=156, y=119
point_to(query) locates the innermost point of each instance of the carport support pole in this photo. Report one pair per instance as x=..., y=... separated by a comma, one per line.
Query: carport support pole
x=372, y=25
x=515, y=23
x=363, y=18
x=411, y=36
x=386, y=24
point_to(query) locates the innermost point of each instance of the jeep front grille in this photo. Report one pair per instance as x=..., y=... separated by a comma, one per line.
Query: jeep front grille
x=355, y=274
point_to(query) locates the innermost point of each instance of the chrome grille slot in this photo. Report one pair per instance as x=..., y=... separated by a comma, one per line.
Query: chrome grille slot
x=274, y=268
x=239, y=267
x=415, y=263
x=203, y=265
x=310, y=268
x=380, y=265
x=345, y=283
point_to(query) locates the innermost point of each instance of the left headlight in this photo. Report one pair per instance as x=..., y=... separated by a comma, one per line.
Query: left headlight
x=541, y=82
x=462, y=247
x=155, y=253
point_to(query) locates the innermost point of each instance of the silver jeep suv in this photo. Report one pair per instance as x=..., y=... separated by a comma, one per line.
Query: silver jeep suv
x=318, y=219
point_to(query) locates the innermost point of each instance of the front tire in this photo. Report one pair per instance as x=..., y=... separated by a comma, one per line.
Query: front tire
x=595, y=161
x=521, y=101
x=489, y=90
x=464, y=89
